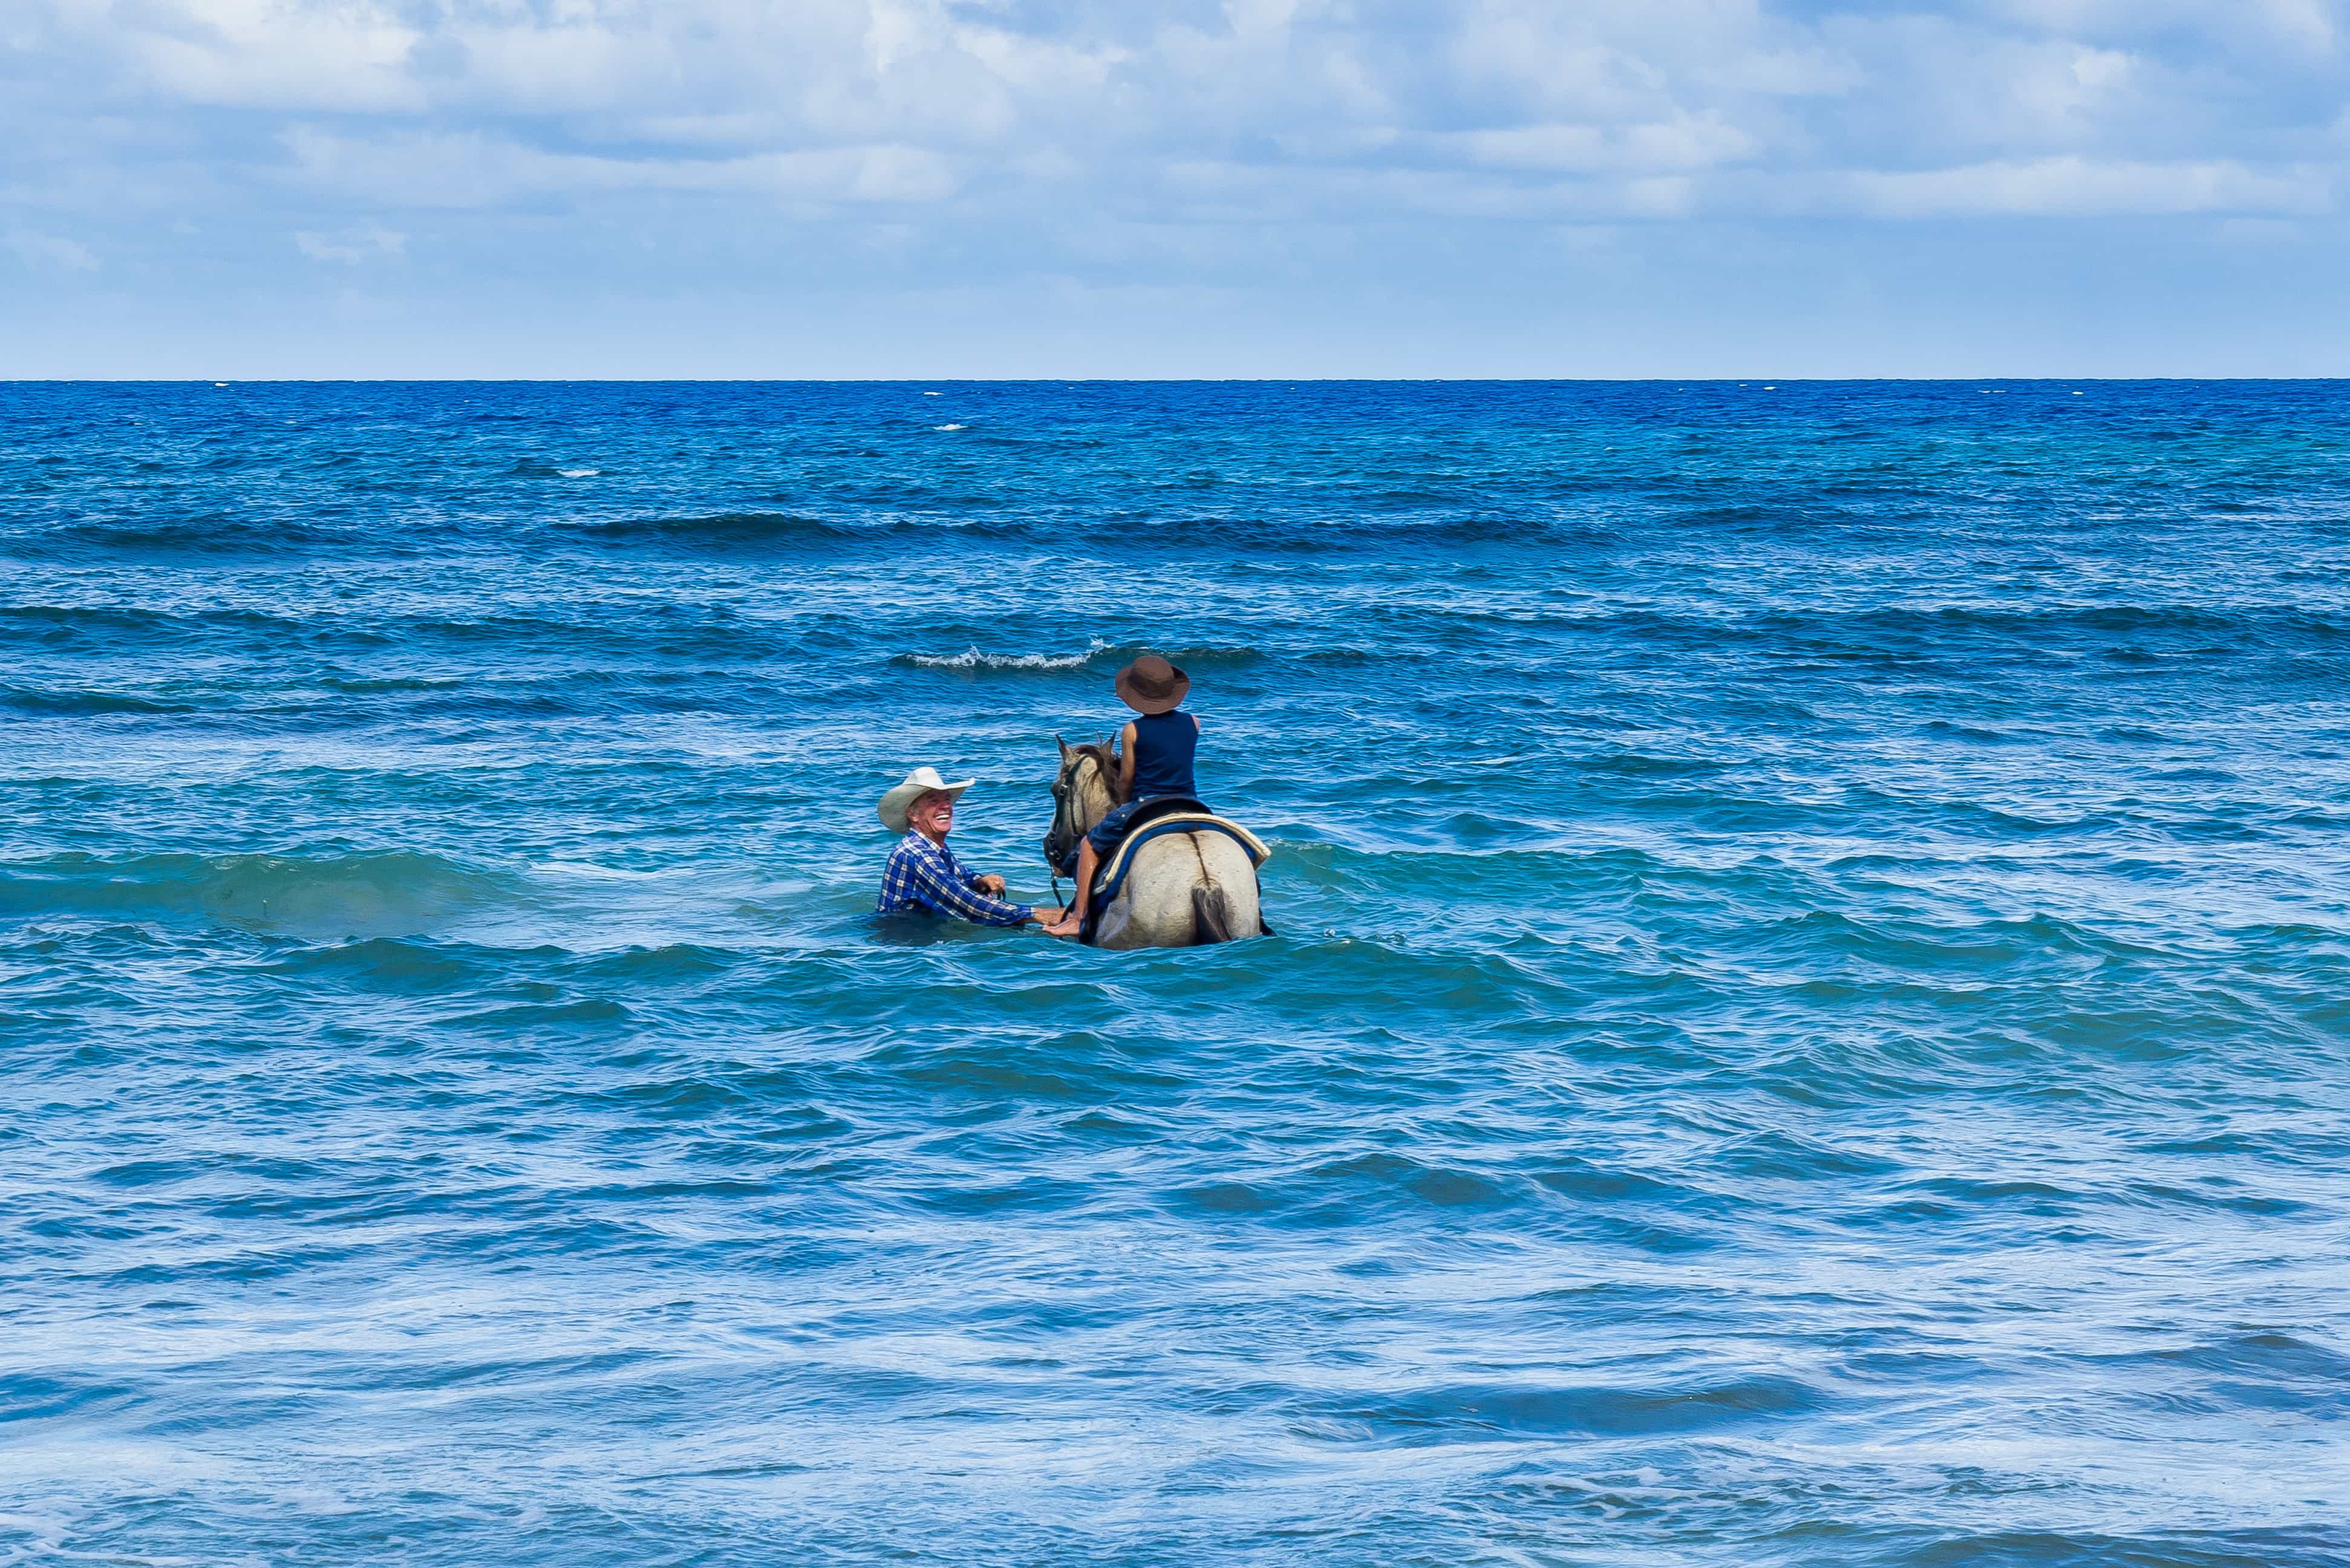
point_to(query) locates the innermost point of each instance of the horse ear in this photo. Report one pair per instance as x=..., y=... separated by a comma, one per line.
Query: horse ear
x=1064, y=745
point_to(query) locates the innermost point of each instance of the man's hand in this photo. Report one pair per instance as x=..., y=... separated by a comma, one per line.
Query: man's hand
x=991, y=885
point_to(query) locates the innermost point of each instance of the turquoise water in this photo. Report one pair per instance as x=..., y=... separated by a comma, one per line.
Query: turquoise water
x=1809, y=1021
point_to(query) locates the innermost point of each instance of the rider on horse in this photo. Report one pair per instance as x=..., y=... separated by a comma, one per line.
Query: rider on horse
x=1155, y=752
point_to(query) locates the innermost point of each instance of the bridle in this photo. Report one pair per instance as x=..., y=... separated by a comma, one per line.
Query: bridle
x=1063, y=833
x=1066, y=829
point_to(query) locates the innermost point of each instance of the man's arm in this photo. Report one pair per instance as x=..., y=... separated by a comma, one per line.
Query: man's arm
x=969, y=879
x=1126, y=764
x=941, y=888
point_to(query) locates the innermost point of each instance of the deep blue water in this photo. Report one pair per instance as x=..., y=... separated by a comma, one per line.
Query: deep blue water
x=1808, y=1024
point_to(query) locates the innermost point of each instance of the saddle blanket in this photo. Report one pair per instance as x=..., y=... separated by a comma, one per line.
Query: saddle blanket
x=1112, y=874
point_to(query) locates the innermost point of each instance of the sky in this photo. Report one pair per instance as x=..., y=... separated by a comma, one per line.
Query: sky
x=240, y=188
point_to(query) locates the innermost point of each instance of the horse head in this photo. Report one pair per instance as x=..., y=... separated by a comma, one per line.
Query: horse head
x=1082, y=793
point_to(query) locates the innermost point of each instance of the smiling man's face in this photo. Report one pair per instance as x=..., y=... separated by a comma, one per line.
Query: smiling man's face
x=932, y=815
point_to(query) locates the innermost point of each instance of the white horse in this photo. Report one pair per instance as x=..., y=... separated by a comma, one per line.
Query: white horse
x=1181, y=890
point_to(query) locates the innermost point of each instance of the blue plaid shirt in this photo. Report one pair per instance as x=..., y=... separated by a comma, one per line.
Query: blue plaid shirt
x=925, y=876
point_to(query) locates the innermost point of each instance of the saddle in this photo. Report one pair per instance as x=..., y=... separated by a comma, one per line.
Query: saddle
x=1149, y=811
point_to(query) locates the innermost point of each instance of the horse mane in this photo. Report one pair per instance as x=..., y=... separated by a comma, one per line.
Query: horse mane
x=1106, y=759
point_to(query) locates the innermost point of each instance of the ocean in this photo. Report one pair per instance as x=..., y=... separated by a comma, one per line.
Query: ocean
x=1809, y=1018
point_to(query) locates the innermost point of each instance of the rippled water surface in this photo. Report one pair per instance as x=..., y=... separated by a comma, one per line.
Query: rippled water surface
x=1809, y=1021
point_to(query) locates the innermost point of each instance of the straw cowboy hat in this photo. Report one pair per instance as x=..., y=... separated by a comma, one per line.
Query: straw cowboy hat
x=1151, y=685
x=919, y=783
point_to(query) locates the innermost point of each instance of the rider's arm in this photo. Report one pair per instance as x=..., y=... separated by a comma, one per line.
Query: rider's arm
x=1126, y=764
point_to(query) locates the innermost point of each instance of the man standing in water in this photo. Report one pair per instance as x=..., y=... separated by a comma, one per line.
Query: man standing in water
x=923, y=873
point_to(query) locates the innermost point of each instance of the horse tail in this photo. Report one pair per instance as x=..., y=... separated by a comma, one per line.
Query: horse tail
x=1211, y=916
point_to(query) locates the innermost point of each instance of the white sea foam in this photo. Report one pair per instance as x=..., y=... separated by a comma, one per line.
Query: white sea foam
x=579, y=473
x=947, y=427
x=972, y=659
x=930, y=394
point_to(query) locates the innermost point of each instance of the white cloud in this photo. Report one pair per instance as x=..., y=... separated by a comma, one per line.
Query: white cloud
x=2097, y=70
x=473, y=170
x=1692, y=142
x=351, y=246
x=51, y=251
x=1196, y=111
x=257, y=53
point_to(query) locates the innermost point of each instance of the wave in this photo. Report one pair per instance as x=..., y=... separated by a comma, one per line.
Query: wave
x=215, y=534
x=540, y=1014
x=106, y=625
x=1099, y=655
x=34, y=700
x=1484, y=1411
x=363, y=686
x=388, y=963
x=922, y=517
x=387, y=893
x=1935, y=624
x=1911, y=636
x=971, y=659
x=722, y=531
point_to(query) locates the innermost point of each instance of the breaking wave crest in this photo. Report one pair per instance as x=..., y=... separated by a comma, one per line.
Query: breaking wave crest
x=972, y=659
x=1099, y=655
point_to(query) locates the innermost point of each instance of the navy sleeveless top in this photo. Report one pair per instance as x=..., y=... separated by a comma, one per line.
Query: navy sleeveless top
x=1163, y=746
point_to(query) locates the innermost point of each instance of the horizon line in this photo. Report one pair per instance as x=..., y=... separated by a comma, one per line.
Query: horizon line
x=1764, y=380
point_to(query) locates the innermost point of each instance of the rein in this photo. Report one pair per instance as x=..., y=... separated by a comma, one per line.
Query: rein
x=1061, y=793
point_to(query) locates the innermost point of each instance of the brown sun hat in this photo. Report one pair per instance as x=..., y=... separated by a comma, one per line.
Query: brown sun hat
x=1151, y=685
